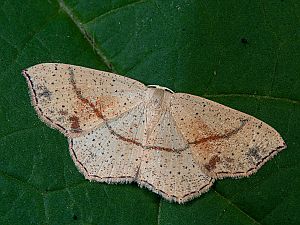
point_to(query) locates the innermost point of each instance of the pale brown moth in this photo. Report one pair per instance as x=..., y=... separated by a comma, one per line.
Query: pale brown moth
x=120, y=130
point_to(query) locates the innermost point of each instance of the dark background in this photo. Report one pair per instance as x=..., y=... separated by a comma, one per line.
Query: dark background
x=244, y=54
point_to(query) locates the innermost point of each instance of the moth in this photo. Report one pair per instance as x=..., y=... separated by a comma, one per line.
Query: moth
x=120, y=130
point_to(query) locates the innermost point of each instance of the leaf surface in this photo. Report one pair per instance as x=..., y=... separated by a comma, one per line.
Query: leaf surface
x=242, y=54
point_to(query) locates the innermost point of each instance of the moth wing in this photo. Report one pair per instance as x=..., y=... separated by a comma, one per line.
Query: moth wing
x=113, y=151
x=137, y=126
x=75, y=99
x=165, y=136
x=174, y=175
x=225, y=142
x=102, y=156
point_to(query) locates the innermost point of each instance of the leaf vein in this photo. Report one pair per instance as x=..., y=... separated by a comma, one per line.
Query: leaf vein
x=87, y=36
x=236, y=207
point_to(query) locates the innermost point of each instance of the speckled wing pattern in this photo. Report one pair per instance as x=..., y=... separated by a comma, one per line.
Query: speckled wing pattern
x=224, y=141
x=75, y=100
x=119, y=130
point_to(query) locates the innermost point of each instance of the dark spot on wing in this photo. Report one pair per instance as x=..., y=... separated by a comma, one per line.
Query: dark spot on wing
x=45, y=93
x=253, y=152
x=212, y=163
x=75, y=125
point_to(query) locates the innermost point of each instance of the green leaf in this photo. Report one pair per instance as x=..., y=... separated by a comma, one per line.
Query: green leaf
x=244, y=54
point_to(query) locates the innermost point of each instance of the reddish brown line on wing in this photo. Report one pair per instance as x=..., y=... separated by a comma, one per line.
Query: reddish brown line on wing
x=100, y=115
x=222, y=136
x=140, y=144
x=81, y=98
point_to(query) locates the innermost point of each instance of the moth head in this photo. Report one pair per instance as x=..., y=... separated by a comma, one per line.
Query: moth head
x=160, y=87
